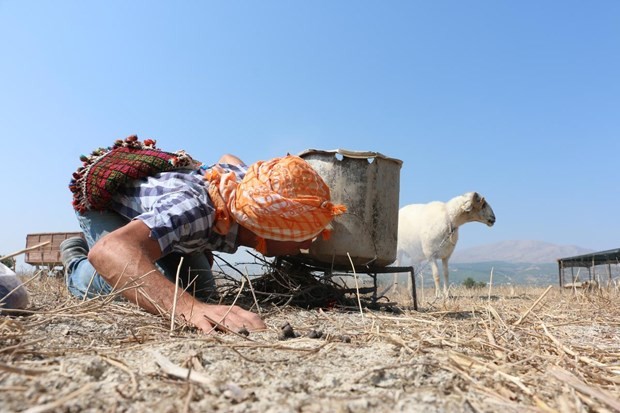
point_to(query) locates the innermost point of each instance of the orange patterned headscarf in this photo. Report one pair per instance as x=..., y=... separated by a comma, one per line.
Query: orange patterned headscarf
x=283, y=199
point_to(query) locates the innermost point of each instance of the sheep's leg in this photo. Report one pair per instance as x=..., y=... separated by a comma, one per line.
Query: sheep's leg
x=446, y=276
x=435, y=269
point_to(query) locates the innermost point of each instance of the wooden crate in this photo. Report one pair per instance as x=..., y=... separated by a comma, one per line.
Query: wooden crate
x=48, y=255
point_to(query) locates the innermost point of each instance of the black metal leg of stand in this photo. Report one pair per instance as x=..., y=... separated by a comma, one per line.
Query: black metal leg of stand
x=374, y=291
x=414, y=293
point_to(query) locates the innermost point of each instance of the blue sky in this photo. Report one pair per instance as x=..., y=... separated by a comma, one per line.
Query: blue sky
x=519, y=100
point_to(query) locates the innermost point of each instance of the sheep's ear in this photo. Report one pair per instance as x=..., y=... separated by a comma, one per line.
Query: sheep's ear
x=479, y=200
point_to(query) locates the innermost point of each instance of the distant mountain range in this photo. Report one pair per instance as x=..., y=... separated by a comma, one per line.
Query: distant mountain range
x=533, y=252
x=512, y=262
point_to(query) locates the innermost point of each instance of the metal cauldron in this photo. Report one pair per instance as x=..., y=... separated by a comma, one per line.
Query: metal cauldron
x=368, y=183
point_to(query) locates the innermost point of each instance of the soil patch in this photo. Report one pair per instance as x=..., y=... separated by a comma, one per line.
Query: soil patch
x=526, y=349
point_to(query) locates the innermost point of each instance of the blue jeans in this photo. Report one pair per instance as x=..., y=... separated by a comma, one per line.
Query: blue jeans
x=83, y=280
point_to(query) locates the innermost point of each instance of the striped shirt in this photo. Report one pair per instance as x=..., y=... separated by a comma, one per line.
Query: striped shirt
x=178, y=210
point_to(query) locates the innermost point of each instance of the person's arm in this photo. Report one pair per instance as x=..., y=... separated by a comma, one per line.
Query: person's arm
x=125, y=258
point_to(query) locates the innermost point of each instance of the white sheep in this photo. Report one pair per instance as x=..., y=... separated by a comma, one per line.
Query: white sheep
x=430, y=231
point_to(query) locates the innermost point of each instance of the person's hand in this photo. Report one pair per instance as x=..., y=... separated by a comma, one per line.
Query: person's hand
x=210, y=317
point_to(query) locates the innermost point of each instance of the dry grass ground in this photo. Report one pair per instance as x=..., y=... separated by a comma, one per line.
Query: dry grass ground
x=514, y=350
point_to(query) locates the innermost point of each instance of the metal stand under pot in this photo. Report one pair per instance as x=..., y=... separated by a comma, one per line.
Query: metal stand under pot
x=372, y=271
